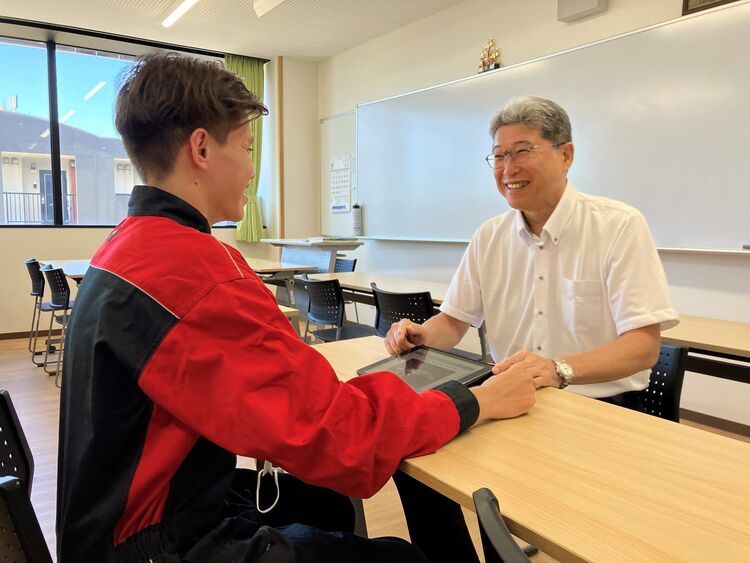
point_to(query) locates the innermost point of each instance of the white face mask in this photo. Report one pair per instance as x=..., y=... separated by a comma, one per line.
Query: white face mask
x=267, y=468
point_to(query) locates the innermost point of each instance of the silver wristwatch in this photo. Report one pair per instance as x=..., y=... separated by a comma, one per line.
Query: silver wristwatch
x=565, y=372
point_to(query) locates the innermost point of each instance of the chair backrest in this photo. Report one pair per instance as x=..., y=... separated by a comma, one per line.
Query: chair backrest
x=21, y=537
x=497, y=542
x=58, y=287
x=662, y=396
x=37, y=279
x=326, y=302
x=15, y=455
x=344, y=265
x=391, y=307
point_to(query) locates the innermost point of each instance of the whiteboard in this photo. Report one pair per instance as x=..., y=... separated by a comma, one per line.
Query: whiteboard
x=661, y=120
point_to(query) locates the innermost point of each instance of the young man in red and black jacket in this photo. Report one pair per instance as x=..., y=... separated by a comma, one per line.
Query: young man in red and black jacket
x=178, y=360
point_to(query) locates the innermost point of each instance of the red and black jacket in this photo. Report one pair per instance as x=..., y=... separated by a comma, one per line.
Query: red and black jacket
x=177, y=360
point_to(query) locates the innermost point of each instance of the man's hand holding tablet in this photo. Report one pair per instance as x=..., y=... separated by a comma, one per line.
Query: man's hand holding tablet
x=507, y=394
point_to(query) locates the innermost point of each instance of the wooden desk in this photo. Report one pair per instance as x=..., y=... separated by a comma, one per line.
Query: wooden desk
x=74, y=269
x=262, y=266
x=289, y=312
x=270, y=270
x=292, y=314
x=725, y=340
x=588, y=481
x=318, y=251
x=281, y=274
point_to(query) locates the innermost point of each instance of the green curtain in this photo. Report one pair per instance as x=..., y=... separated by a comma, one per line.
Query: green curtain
x=250, y=228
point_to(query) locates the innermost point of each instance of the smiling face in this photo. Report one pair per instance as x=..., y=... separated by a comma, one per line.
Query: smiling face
x=536, y=185
x=230, y=171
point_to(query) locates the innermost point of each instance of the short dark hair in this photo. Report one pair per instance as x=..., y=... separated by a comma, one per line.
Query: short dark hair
x=165, y=97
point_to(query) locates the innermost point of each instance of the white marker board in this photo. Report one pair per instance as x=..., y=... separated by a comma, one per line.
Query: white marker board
x=660, y=119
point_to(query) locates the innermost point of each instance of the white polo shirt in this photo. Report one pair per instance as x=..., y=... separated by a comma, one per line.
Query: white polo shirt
x=592, y=275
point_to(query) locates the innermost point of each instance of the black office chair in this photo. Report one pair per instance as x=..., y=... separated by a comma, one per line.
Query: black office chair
x=40, y=306
x=498, y=544
x=61, y=305
x=21, y=537
x=662, y=396
x=326, y=307
x=345, y=265
x=391, y=307
x=15, y=455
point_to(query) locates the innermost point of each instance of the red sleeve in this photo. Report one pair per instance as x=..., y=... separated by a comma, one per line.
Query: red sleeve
x=234, y=370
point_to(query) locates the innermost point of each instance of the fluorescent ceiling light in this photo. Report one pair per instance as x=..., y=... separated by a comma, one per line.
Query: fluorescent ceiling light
x=262, y=7
x=94, y=90
x=45, y=133
x=177, y=10
x=67, y=116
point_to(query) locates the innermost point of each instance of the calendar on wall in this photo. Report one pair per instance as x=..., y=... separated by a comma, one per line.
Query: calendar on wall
x=340, y=185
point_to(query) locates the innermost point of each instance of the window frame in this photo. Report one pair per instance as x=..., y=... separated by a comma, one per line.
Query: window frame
x=54, y=35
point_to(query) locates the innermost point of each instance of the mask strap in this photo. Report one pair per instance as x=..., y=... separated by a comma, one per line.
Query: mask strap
x=267, y=468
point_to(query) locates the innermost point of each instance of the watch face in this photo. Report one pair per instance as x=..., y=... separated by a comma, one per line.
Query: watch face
x=564, y=371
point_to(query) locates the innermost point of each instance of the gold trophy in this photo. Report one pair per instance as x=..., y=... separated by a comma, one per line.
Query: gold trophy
x=490, y=59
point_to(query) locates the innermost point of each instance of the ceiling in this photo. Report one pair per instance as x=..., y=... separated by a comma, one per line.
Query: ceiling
x=310, y=29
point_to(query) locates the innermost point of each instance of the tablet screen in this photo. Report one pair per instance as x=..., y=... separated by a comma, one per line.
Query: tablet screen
x=424, y=368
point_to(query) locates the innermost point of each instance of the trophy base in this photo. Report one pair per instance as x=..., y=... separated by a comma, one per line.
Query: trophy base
x=488, y=68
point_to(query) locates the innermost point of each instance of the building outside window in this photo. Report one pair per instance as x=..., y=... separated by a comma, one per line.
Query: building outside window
x=24, y=147
x=96, y=175
x=95, y=190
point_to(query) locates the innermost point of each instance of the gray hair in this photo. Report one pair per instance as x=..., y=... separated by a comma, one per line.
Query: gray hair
x=546, y=115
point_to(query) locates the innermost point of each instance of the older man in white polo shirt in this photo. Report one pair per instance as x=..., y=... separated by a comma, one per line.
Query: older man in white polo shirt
x=569, y=285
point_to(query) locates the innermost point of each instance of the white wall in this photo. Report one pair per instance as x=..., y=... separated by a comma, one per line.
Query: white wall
x=269, y=174
x=447, y=46
x=717, y=287
x=301, y=149
x=19, y=243
x=16, y=245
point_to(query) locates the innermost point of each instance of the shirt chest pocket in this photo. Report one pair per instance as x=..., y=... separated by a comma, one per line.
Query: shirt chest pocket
x=581, y=304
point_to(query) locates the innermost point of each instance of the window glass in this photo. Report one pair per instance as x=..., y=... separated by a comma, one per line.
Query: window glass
x=25, y=169
x=97, y=175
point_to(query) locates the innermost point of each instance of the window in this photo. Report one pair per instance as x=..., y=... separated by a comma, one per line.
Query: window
x=93, y=193
x=97, y=176
x=25, y=173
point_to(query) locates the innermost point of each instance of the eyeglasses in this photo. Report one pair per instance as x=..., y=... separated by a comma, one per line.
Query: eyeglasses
x=521, y=155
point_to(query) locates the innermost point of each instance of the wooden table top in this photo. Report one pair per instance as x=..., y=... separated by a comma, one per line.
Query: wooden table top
x=262, y=266
x=588, y=481
x=72, y=268
x=726, y=337
x=77, y=268
x=289, y=311
x=360, y=281
x=319, y=242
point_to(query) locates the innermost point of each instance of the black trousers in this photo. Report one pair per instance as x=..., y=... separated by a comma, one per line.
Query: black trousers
x=308, y=525
x=629, y=400
x=436, y=523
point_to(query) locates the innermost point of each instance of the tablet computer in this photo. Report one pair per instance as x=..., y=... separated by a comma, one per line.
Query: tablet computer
x=424, y=368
